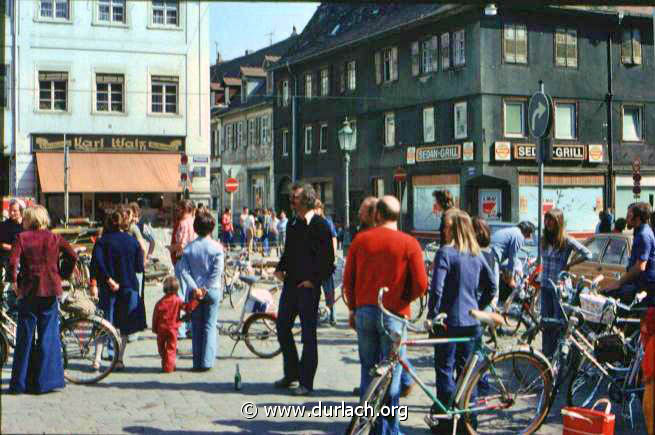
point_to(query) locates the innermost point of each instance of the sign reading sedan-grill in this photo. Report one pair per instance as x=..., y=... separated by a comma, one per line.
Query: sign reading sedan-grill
x=539, y=115
x=437, y=153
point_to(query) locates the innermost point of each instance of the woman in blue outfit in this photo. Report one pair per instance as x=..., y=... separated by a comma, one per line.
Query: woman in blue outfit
x=34, y=274
x=556, y=249
x=117, y=257
x=201, y=267
x=459, y=271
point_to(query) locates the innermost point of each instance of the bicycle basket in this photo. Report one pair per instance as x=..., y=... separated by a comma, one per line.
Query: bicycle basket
x=596, y=308
x=610, y=348
x=78, y=302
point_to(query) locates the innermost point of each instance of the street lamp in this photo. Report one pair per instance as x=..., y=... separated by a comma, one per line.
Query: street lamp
x=347, y=143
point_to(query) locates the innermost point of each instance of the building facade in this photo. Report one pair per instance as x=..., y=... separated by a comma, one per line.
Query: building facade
x=440, y=93
x=126, y=83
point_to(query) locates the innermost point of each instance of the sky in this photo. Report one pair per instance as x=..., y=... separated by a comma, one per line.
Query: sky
x=241, y=26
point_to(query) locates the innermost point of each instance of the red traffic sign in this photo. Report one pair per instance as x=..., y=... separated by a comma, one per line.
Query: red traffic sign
x=399, y=175
x=231, y=185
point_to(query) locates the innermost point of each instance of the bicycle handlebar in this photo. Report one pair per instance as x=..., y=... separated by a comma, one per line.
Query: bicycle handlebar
x=440, y=318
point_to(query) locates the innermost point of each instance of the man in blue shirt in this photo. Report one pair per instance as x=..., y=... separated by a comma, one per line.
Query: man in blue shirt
x=640, y=273
x=506, y=245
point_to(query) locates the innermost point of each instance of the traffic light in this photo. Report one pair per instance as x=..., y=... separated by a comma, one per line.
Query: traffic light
x=636, y=178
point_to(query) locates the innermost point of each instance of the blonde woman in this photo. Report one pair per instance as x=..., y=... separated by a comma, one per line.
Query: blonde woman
x=37, y=366
x=459, y=271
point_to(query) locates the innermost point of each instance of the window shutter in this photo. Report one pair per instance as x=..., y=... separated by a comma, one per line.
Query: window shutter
x=342, y=77
x=521, y=44
x=258, y=132
x=445, y=51
x=415, y=59
x=394, y=63
x=316, y=80
x=572, y=48
x=435, y=53
x=461, y=47
x=636, y=47
x=331, y=83
x=378, y=67
x=560, y=47
x=626, y=47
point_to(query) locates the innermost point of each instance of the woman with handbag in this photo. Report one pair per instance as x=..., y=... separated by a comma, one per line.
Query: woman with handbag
x=34, y=274
x=117, y=258
x=201, y=267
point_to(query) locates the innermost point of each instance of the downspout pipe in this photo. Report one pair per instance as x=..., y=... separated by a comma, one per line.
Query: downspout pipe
x=14, y=97
x=610, y=140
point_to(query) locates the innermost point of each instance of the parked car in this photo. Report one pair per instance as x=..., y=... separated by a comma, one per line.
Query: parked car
x=610, y=253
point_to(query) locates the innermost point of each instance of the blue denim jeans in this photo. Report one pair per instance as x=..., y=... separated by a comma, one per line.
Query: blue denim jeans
x=450, y=359
x=550, y=308
x=374, y=346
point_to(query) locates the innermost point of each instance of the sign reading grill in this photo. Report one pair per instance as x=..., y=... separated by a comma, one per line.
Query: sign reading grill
x=438, y=153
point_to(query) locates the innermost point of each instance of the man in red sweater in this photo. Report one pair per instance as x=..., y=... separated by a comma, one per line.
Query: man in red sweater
x=382, y=257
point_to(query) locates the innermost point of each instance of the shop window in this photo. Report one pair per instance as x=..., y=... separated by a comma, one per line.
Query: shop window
x=428, y=124
x=322, y=145
x=633, y=124
x=631, y=47
x=325, y=82
x=165, y=12
x=164, y=94
x=109, y=92
x=53, y=91
x=566, y=48
x=285, y=142
x=515, y=43
x=111, y=11
x=514, y=118
x=389, y=129
x=460, y=118
x=308, y=139
x=565, y=121
x=54, y=10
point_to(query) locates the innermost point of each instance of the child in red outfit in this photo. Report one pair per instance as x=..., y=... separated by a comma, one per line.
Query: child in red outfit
x=166, y=321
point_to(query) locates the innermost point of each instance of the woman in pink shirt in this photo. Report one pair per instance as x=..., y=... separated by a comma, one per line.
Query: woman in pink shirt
x=183, y=234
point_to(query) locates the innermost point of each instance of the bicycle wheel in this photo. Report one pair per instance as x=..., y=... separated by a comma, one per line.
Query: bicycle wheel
x=417, y=308
x=260, y=335
x=513, y=397
x=376, y=396
x=79, y=337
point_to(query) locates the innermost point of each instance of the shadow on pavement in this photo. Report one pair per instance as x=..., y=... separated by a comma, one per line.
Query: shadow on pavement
x=291, y=426
x=154, y=430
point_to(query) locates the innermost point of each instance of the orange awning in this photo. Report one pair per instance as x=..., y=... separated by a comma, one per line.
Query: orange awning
x=110, y=172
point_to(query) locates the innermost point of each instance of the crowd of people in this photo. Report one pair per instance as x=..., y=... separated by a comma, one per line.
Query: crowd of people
x=465, y=276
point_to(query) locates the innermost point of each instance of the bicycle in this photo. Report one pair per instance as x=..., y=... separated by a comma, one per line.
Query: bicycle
x=79, y=336
x=502, y=370
x=232, y=286
x=256, y=329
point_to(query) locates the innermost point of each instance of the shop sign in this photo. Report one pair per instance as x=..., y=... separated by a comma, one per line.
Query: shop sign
x=108, y=143
x=502, y=151
x=438, y=153
x=467, y=151
x=596, y=154
x=569, y=152
x=525, y=151
x=411, y=155
x=490, y=203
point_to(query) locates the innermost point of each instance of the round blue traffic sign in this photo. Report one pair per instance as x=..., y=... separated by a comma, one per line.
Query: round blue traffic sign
x=539, y=115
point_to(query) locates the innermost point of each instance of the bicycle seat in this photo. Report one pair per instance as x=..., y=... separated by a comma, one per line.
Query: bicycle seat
x=79, y=249
x=249, y=279
x=490, y=319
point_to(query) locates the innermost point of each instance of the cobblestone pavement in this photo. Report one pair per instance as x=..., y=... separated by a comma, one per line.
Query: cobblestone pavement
x=141, y=399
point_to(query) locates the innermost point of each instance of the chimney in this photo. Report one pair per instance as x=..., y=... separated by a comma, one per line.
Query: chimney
x=294, y=32
x=219, y=59
x=247, y=52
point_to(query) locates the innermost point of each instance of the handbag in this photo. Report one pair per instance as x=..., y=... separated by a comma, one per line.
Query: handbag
x=583, y=421
x=609, y=348
x=78, y=302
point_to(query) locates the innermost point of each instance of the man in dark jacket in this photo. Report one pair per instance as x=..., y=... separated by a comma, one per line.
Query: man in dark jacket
x=308, y=260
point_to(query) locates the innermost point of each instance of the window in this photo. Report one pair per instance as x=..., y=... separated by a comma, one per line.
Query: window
x=53, y=91
x=514, y=118
x=251, y=131
x=389, y=129
x=596, y=245
x=109, y=92
x=265, y=130
x=633, y=124
x=566, y=48
x=6, y=85
x=445, y=51
x=614, y=252
x=426, y=60
x=386, y=65
x=308, y=85
x=428, y=124
x=565, y=121
x=322, y=145
x=308, y=140
x=515, y=43
x=459, y=48
x=285, y=142
x=325, y=82
x=351, y=76
x=285, y=93
x=164, y=94
x=631, y=47
x=460, y=120
x=165, y=12
x=54, y=9
x=111, y=11
x=239, y=133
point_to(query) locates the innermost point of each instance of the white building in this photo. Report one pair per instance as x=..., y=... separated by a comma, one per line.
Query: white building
x=127, y=82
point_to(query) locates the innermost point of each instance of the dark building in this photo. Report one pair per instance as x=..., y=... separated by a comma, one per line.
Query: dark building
x=441, y=91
